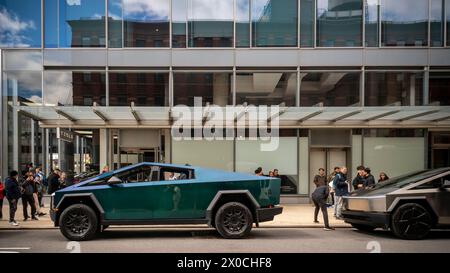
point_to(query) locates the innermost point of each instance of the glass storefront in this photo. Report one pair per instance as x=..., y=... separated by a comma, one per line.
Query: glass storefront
x=20, y=24
x=402, y=27
x=274, y=23
x=339, y=23
x=384, y=88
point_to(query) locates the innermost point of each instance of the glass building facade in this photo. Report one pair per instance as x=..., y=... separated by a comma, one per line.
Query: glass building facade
x=108, y=73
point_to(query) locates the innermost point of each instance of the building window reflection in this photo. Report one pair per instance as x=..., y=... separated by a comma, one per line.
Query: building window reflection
x=266, y=88
x=439, y=88
x=214, y=88
x=146, y=23
x=274, y=23
x=115, y=15
x=73, y=88
x=179, y=23
x=330, y=89
x=20, y=23
x=372, y=16
x=437, y=23
x=402, y=27
x=140, y=88
x=307, y=9
x=210, y=23
x=339, y=23
x=242, y=23
x=81, y=23
x=388, y=88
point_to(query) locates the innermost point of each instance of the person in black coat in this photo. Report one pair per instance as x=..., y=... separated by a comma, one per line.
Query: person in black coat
x=369, y=180
x=319, y=197
x=29, y=188
x=53, y=181
x=13, y=194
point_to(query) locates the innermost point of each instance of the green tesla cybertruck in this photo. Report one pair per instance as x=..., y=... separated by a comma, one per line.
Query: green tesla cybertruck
x=166, y=194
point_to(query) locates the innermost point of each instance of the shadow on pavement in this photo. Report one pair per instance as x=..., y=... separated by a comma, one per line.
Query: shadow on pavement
x=386, y=234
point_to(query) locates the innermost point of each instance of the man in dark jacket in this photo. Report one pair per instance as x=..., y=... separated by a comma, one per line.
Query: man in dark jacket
x=358, y=181
x=29, y=188
x=53, y=181
x=13, y=194
x=319, y=197
x=341, y=189
x=369, y=180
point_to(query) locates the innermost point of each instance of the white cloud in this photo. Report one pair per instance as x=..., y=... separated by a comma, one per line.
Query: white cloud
x=10, y=30
x=73, y=2
x=149, y=8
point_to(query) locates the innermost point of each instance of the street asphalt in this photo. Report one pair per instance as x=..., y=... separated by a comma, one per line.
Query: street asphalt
x=204, y=240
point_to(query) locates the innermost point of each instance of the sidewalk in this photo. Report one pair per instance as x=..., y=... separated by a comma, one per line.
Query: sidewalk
x=293, y=216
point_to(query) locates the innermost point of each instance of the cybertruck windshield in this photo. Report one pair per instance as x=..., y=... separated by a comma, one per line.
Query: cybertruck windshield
x=407, y=179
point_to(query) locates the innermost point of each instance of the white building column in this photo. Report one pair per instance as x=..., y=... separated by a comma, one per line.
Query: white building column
x=105, y=148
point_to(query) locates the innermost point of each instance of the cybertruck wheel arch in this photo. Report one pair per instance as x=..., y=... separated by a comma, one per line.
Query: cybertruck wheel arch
x=398, y=201
x=221, y=194
x=75, y=196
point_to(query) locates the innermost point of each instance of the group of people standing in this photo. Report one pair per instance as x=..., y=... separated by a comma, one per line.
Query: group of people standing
x=30, y=186
x=272, y=173
x=330, y=190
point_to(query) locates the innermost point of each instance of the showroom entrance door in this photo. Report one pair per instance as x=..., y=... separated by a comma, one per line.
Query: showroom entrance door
x=326, y=158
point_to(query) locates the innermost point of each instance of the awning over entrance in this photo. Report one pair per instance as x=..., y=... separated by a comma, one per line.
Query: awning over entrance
x=288, y=117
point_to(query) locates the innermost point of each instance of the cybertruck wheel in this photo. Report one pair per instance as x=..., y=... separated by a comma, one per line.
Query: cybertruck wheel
x=234, y=220
x=78, y=223
x=362, y=227
x=411, y=222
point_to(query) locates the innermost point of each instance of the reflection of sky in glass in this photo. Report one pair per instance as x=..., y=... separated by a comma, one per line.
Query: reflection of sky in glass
x=322, y=7
x=404, y=10
x=242, y=10
x=212, y=10
x=28, y=85
x=20, y=23
x=179, y=11
x=70, y=10
x=146, y=10
x=115, y=9
x=58, y=88
x=372, y=11
x=51, y=23
x=258, y=7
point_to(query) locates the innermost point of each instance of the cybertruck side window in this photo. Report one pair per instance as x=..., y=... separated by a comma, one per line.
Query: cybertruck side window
x=435, y=183
x=168, y=174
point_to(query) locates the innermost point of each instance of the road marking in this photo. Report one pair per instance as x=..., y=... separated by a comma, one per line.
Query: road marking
x=15, y=248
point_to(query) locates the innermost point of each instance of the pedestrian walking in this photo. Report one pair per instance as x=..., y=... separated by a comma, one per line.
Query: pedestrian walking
x=358, y=181
x=319, y=197
x=383, y=177
x=13, y=194
x=320, y=179
x=341, y=189
x=28, y=191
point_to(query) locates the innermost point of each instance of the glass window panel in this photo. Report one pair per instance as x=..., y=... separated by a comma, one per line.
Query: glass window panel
x=436, y=23
x=146, y=23
x=179, y=23
x=144, y=89
x=249, y=157
x=307, y=9
x=393, y=88
x=403, y=27
x=242, y=23
x=115, y=23
x=215, y=88
x=20, y=23
x=81, y=23
x=210, y=23
x=67, y=88
x=447, y=15
x=23, y=87
x=51, y=23
x=22, y=60
x=274, y=23
x=266, y=88
x=339, y=23
x=330, y=89
x=372, y=19
x=440, y=88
